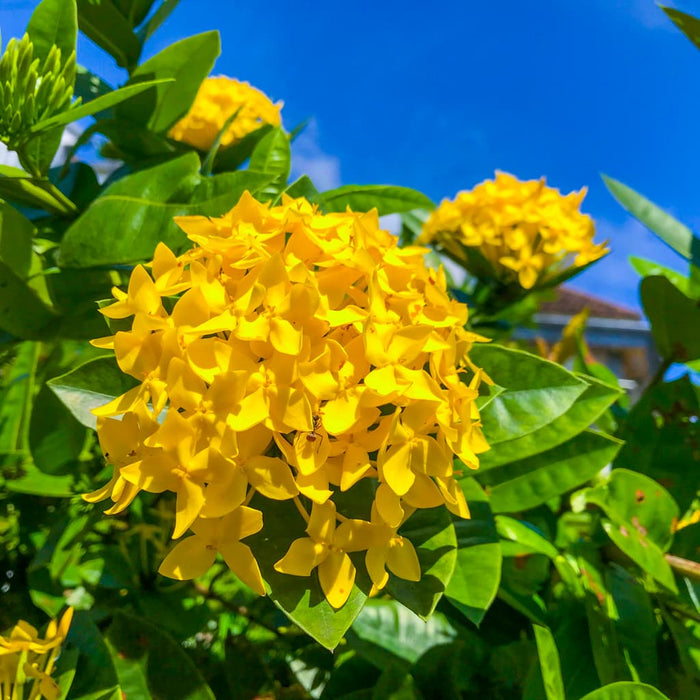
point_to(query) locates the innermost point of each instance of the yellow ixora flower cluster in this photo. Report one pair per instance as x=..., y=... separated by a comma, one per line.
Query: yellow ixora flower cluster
x=217, y=100
x=304, y=352
x=528, y=232
x=27, y=660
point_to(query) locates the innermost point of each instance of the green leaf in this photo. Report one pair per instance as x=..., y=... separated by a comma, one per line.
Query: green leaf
x=158, y=17
x=537, y=391
x=641, y=515
x=549, y=663
x=90, y=385
x=184, y=65
x=649, y=268
x=16, y=398
x=588, y=407
x=95, y=677
x=675, y=319
x=396, y=683
x=35, y=483
x=669, y=230
x=53, y=23
x=18, y=186
x=477, y=573
x=532, y=481
x=102, y=22
x=273, y=156
x=525, y=534
x=303, y=187
x=148, y=661
x=135, y=213
x=16, y=233
x=231, y=157
x=389, y=627
x=89, y=86
x=620, y=620
x=633, y=499
x=689, y=25
x=385, y=198
x=301, y=599
x=433, y=535
x=626, y=691
x=56, y=438
x=22, y=312
x=97, y=105
x=686, y=635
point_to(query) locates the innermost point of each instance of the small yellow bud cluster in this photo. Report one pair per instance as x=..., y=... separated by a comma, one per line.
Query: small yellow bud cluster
x=304, y=352
x=31, y=92
x=28, y=660
x=529, y=233
x=217, y=100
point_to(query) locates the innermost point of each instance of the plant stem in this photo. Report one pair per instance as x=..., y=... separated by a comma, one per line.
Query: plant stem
x=684, y=567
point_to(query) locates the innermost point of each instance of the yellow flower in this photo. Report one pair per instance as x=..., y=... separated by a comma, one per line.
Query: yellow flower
x=522, y=233
x=218, y=99
x=26, y=659
x=304, y=352
x=194, y=555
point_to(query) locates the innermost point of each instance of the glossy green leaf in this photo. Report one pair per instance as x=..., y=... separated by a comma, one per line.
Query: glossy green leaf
x=133, y=214
x=90, y=385
x=35, y=483
x=102, y=22
x=233, y=156
x=477, y=573
x=303, y=187
x=184, y=64
x=649, y=268
x=16, y=398
x=53, y=23
x=689, y=25
x=156, y=19
x=147, y=660
x=549, y=663
x=385, y=198
x=526, y=535
x=17, y=186
x=626, y=691
x=396, y=683
x=22, y=312
x=16, y=233
x=56, y=438
x=536, y=392
x=433, y=535
x=529, y=482
x=95, y=677
x=675, y=319
x=391, y=627
x=668, y=229
x=273, y=156
x=99, y=104
x=635, y=500
x=686, y=635
x=300, y=598
x=595, y=399
x=620, y=620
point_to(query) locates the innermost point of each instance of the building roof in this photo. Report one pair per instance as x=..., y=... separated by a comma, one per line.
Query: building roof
x=569, y=302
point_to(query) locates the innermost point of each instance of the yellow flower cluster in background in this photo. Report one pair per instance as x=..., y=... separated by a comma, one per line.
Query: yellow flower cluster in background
x=217, y=100
x=305, y=352
x=528, y=232
x=27, y=660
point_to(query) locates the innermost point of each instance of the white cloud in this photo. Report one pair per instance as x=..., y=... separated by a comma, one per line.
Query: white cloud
x=308, y=158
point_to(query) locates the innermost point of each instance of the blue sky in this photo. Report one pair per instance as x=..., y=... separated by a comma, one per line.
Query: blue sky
x=438, y=96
